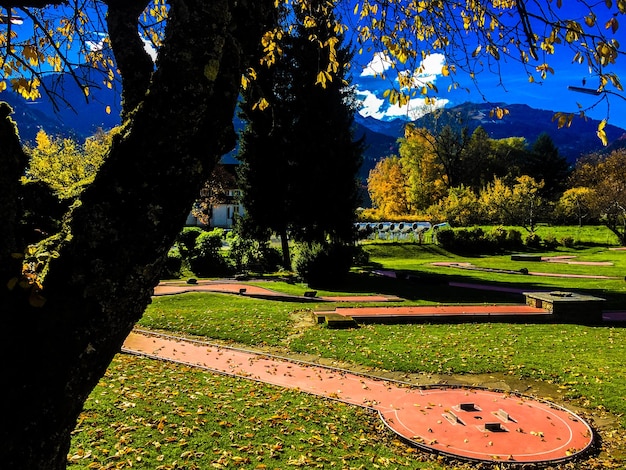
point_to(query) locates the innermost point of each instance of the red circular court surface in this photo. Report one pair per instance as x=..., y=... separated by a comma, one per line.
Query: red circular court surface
x=486, y=425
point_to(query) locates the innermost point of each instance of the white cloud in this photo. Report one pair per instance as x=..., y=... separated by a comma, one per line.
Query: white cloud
x=370, y=104
x=379, y=63
x=380, y=109
x=149, y=48
x=433, y=63
x=429, y=70
x=94, y=46
x=370, y=89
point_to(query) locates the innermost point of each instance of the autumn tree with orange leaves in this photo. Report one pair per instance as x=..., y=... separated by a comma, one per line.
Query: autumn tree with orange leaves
x=603, y=176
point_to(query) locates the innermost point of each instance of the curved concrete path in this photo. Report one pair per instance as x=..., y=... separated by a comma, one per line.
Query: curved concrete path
x=463, y=422
x=242, y=288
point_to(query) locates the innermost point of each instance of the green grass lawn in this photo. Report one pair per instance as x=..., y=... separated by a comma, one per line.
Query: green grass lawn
x=146, y=414
x=157, y=415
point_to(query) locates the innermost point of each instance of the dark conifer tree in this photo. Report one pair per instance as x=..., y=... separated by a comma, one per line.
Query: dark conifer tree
x=299, y=157
x=545, y=163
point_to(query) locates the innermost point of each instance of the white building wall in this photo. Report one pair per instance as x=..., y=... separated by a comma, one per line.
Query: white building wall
x=225, y=214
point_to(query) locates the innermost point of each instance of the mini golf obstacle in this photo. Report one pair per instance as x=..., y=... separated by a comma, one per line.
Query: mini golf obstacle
x=468, y=423
x=345, y=317
x=569, y=307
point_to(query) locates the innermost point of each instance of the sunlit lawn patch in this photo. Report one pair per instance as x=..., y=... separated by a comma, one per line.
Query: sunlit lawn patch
x=419, y=260
x=221, y=316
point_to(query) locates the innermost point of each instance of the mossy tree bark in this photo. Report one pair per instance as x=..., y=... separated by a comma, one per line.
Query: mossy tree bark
x=103, y=278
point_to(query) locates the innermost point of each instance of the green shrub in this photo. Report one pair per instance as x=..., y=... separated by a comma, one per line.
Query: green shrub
x=445, y=238
x=532, y=240
x=360, y=257
x=567, y=242
x=466, y=241
x=550, y=242
x=470, y=240
x=247, y=254
x=173, y=265
x=206, y=258
x=514, y=239
x=187, y=239
x=322, y=263
x=498, y=235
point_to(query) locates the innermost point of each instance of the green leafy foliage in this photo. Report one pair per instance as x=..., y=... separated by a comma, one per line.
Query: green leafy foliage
x=605, y=178
x=173, y=264
x=206, y=258
x=299, y=157
x=187, y=239
x=323, y=264
x=476, y=241
x=64, y=165
x=248, y=254
x=532, y=240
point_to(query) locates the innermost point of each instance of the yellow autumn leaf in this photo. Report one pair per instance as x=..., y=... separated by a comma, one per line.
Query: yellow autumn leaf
x=261, y=105
x=601, y=133
x=612, y=24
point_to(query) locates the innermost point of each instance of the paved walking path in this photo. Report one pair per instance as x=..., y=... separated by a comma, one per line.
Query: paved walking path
x=463, y=422
x=242, y=288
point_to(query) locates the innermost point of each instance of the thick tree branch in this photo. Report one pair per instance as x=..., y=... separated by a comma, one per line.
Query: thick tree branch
x=132, y=60
x=13, y=162
x=32, y=3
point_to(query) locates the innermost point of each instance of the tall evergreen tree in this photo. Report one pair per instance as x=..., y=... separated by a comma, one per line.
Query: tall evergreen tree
x=299, y=157
x=264, y=171
x=545, y=163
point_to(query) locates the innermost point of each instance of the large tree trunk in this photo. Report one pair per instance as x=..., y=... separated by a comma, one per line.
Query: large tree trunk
x=284, y=244
x=102, y=280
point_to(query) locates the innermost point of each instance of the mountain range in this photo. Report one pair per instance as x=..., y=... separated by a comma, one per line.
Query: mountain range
x=86, y=116
x=521, y=121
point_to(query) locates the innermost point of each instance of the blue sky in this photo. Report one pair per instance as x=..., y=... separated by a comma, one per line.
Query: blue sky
x=552, y=94
x=512, y=87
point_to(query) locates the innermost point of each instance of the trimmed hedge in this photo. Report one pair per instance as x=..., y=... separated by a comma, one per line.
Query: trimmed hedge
x=476, y=241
